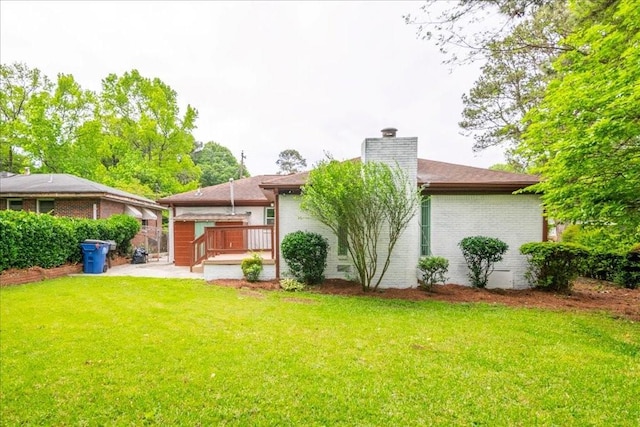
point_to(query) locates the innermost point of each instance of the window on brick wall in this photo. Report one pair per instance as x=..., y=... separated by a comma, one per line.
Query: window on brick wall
x=46, y=206
x=14, y=204
x=425, y=227
x=343, y=243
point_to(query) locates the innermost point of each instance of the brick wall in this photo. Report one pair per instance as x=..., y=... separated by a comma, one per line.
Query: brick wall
x=28, y=205
x=37, y=274
x=78, y=208
x=402, y=153
x=514, y=219
x=293, y=219
x=108, y=208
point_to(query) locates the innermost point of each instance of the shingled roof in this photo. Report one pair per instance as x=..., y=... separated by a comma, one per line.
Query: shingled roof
x=437, y=177
x=58, y=185
x=246, y=192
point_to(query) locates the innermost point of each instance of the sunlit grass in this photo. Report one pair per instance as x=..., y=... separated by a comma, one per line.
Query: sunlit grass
x=130, y=351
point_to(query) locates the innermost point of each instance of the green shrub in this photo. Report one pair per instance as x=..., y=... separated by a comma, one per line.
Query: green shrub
x=29, y=239
x=571, y=234
x=481, y=253
x=553, y=265
x=37, y=239
x=602, y=265
x=628, y=274
x=252, y=267
x=121, y=229
x=292, y=285
x=9, y=238
x=433, y=270
x=601, y=238
x=306, y=255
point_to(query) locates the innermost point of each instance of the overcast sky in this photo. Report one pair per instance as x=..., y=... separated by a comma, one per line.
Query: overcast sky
x=264, y=76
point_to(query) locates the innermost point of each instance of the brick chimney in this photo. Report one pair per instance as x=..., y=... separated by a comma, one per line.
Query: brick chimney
x=393, y=151
x=399, y=152
x=389, y=132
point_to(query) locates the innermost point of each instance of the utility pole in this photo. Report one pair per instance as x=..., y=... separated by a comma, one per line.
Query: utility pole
x=242, y=157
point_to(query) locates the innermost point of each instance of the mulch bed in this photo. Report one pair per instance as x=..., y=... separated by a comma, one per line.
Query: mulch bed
x=587, y=295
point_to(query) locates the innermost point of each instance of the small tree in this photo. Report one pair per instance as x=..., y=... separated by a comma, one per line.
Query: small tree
x=481, y=254
x=306, y=255
x=362, y=202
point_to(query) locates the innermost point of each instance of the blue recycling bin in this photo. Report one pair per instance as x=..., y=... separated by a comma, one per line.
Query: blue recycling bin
x=94, y=255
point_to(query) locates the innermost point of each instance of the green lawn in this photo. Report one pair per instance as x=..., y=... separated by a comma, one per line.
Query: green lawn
x=136, y=351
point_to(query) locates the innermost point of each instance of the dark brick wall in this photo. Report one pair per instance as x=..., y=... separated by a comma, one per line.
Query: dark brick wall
x=78, y=208
x=108, y=208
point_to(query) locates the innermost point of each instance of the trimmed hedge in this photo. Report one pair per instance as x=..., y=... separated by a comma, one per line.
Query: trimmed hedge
x=553, y=265
x=614, y=266
x=306, y=255
x=629, y=273
x=28, y=239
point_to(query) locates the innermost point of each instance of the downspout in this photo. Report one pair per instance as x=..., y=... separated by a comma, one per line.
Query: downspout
x=95, y=211
x=276, y=231
x=233, y=208
x=171, y=258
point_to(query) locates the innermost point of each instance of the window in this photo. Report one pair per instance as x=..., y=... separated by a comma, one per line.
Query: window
x=343, y=242
x=425, y=227
x=14, y=204
x=45, y=206
x=269, y=216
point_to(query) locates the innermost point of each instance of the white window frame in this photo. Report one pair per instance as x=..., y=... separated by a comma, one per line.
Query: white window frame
x=267, y=217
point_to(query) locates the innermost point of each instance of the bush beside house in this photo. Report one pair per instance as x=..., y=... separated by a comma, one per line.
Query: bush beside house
x=306, y=256
x=38, y=240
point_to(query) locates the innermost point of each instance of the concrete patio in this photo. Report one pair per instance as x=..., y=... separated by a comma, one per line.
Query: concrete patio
x=160, y=268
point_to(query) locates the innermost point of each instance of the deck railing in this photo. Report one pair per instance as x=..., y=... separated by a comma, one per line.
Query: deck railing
x=230, y=239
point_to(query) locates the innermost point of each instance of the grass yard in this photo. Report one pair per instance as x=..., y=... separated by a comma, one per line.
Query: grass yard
x=138, y=351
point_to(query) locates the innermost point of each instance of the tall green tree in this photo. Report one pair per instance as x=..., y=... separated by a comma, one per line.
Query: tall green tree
x=147, y=141
x=517, y=51
x=584, y=137
x=217, y=164
x=64, y=131
x=19, y=84
x=369, y=204
x=290, y=161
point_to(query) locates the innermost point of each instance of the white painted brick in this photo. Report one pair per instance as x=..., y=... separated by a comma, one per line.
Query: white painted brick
x=233, y=271
x=514, y=219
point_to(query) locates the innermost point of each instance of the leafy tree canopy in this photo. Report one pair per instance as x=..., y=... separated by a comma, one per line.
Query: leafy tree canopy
x=290, y=161
x=517, y=40
x=584, y=137
x=131, y=135
x=146, y=139
x=18, y=86
x=217, y=164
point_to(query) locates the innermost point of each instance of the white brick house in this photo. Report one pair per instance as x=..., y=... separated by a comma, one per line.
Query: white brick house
x=463, y=201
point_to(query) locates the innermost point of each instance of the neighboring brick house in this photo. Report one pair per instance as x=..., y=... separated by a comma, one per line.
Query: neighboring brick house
x=69, y=195
x=240, y=202
x=464, y=201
